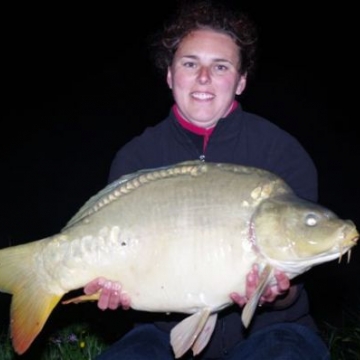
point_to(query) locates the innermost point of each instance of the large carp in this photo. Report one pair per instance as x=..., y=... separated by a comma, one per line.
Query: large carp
x=179, y=239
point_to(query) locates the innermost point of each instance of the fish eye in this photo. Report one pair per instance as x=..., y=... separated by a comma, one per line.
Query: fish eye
x=311, y=220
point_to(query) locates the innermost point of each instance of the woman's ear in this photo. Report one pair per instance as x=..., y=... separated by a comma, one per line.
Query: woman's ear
x=241, y=85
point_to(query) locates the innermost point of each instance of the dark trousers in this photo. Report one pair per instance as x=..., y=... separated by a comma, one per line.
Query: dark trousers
x=283, y=341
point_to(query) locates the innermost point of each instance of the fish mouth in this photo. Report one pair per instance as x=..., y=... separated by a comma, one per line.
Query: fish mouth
x=348, y=248
x=341, y=250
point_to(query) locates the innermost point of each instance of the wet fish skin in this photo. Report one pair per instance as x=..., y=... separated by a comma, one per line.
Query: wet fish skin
x=179, y=239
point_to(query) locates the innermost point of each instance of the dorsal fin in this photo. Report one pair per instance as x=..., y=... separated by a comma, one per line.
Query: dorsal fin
x=128, y=183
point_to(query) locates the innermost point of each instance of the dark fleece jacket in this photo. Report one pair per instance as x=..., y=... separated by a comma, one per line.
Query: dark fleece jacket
x=241, y=138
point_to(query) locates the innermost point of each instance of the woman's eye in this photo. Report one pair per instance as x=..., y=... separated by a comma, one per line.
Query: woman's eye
x=221, y=67
x=189, y=64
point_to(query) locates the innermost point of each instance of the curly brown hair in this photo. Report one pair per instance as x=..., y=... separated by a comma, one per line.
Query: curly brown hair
x=205, y=14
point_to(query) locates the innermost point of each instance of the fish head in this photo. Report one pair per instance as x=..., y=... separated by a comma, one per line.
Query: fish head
x=291, y=230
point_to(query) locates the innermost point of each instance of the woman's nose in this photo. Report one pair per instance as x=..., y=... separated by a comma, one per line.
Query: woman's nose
x=204, y=75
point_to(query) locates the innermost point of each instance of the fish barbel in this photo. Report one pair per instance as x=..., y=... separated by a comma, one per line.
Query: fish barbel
x=179, y=239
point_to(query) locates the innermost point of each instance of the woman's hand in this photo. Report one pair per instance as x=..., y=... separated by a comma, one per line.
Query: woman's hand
x=271, y=292
x=111, y=295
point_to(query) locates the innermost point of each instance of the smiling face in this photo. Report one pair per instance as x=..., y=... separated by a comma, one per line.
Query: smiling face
x=205, y=76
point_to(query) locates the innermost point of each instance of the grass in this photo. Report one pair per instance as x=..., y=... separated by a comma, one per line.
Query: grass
x=71, y=343
x=344, y=340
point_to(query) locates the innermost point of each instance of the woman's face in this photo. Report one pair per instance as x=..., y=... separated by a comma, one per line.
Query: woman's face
x=204, y=76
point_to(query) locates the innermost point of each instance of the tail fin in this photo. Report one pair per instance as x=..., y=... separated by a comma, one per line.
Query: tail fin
x=31, y=303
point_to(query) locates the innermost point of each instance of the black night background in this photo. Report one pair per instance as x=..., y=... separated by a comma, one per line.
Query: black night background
x=77, y=84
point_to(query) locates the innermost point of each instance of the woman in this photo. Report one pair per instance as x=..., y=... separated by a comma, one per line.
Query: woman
x=207, y=54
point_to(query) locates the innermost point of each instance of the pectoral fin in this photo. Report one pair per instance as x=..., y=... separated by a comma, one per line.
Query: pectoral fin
x=184, y=334
x=250, y=307
x=82, y=298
